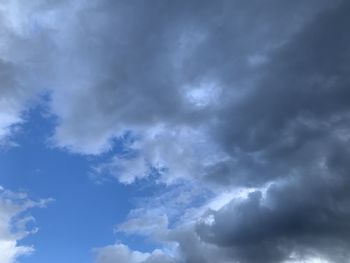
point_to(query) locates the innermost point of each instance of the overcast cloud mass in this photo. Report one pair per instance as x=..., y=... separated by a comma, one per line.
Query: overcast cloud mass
x=235, y=115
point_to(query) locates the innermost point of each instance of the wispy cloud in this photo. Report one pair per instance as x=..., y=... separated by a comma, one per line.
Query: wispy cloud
x=14, y=218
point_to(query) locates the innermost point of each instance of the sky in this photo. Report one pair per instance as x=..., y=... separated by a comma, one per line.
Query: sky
x=174, y=131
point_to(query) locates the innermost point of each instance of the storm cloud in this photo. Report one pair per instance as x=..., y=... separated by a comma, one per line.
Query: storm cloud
x=281, y=126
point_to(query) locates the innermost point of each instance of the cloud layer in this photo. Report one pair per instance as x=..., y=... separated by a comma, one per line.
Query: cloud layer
x=220, y=95
x=280, y=127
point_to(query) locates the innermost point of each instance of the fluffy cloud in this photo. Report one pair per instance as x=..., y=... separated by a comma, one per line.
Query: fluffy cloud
x=13, y=224
x=174, y=153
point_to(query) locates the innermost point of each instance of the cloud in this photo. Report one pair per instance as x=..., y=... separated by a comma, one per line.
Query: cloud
x=120, y=74
x=280, y=128
x=294, y=217
x=144, y=222
x=123, y=254
x=109, y=85
x=297, y=104
x=173, y=153
x=220, y=95
x=14, y=218
x=25, y=60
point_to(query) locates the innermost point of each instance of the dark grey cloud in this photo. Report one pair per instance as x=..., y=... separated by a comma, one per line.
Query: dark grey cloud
x=281, y=121
x=300, y=99
x=292, y=126
x=300, y=216
x=132, y=65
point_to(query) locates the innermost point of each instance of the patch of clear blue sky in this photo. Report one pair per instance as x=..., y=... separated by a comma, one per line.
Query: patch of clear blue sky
x=83, y=214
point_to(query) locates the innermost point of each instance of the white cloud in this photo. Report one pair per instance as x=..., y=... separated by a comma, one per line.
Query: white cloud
x=205, y=94
x=295, y=258
x=122, y=254
x=125, y=169
x=146, y=222
x=13, y=224
x=176, y=153
x=9, y=251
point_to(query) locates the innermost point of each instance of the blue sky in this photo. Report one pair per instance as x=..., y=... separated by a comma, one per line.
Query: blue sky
x=174, y=131
x=82, y=214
